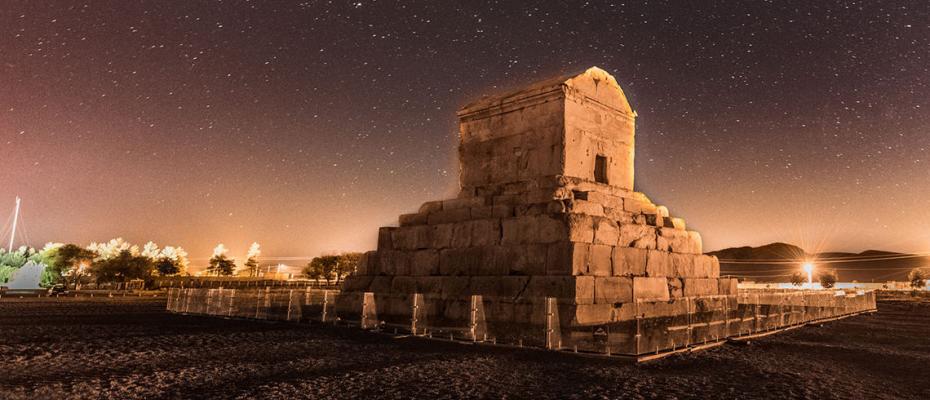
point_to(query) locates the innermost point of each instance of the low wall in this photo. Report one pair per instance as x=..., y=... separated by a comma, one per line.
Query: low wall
x=639, y=328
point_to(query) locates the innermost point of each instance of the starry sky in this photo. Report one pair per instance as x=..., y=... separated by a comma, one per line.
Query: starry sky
x=306, y=125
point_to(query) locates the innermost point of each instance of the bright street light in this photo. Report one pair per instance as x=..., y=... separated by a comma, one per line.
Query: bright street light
x=809, y=268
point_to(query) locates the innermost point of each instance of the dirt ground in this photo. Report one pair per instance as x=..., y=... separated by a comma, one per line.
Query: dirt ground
x=131, y=348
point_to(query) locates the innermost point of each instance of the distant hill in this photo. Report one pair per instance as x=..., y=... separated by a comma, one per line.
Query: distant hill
x=776, y=262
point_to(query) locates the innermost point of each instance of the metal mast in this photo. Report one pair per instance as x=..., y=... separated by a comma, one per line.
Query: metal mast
x=15, y=219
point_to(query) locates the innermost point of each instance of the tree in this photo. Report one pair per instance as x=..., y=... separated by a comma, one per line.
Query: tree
x=348, y=263
x=798, y=279
x=332, y=267
x=313, y=270
x=828, y=279
x=70, y=263
x=166, y=267
x=220, y=264
x=251, y=263
x=123, y=267
x=322, y=267
x=171, y=261
x=918, y=278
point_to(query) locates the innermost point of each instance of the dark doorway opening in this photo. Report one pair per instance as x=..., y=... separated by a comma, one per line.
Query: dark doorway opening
x=600, y=169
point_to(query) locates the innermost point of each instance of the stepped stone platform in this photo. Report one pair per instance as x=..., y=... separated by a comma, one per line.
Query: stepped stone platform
x=547, y=209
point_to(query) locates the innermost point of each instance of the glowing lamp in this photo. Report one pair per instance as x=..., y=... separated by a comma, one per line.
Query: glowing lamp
x=809, y=268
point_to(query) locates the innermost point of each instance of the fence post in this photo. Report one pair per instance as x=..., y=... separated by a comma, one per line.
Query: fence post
x=290, y=302
x=187, y=301
x=689, y=332
x=415, y=313
x=553, y=327
x=639, y=332
x=325, y=315
x=267, y=302
x=726, y=316
x=258, y=302
x=478, y=327
x=369, y=311
x=209, y=301
x=232, y=298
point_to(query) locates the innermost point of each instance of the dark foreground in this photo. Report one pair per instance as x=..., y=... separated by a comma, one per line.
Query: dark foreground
x=132, y=349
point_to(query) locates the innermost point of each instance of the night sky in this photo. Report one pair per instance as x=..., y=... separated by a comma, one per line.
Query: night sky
x=306, y=125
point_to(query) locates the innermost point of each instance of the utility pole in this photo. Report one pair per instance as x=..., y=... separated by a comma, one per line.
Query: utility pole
x=15, y=220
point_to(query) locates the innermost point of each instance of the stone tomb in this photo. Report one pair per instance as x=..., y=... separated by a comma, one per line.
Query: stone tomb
x=546, y=210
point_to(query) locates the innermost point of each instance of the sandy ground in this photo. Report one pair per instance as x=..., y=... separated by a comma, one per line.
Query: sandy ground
x=131, y=348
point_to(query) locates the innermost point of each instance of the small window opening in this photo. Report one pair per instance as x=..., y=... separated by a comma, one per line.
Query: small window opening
x=600, y=169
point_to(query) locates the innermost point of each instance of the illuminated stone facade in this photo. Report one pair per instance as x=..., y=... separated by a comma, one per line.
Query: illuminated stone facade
x=546, y=209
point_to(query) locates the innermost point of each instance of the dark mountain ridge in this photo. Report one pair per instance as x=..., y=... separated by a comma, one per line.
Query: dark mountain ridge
x=775, y=262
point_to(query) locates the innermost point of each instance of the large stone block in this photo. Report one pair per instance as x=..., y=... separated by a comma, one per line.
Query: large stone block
x=613, y=289
x=697, y=244
x=528, y=259
x=561, y=287
x=699, y=287
x=683, y=265
x=714, y=267
x=629, y=261
x=357, y=283
x=411, y=237
x=413, y=219
x=462, y=262
x=702, y=267
x=404, y=284
x=462, y=234
x=463, y=202
x=586, y=208
x=441, y=236
x=393, y=263
x=658, y=264
x=605, y=199
x=512, y=286
x=431, y=207
x=448, y=216
x=593, y=314
x=559, y=258
x=639, y=236
x=485, y=232
x=455, y=287
x=485, y=285
x=650, y=288
x=599, y=260
x=425, y=263
x=584, y=290
x=533, y=229
x=581, y=256
x=606, y=232
x=366, y=265
x=638, y=206
x=678, y=240
x=580, y=228
x=660, y=309
x=381, y=284
x=384, y=238
x=492, y=211
x=429, y=286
